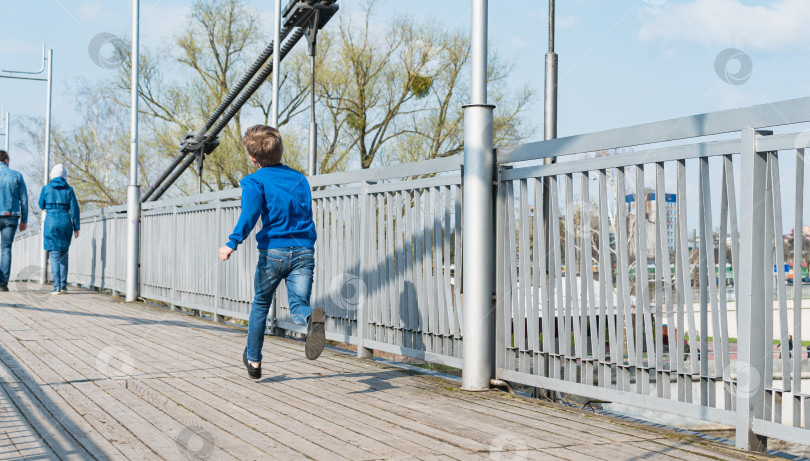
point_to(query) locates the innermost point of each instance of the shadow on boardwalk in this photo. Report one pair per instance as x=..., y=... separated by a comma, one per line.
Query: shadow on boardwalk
x=86, y=376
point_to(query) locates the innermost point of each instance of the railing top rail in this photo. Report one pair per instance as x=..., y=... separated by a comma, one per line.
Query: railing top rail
x=665, y=154
x=191, y=199
x=727, y=121
x=433, y=166
x=437, y=165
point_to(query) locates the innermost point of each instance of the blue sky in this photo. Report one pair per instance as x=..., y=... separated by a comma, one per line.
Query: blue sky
x=621, y=62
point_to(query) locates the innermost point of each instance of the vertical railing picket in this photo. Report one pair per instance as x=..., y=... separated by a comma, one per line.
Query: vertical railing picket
x=798, y=237
x=503, y=312
x=751, y=336
x=366, y=217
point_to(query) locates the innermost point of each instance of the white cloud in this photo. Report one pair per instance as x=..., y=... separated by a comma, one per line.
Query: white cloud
x=780, y=25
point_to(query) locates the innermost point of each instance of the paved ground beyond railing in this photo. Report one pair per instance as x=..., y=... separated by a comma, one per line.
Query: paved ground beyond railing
x=86, y=376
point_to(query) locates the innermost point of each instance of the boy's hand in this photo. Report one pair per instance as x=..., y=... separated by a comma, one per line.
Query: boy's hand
x=225, y=252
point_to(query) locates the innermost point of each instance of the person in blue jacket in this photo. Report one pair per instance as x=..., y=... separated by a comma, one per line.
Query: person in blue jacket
x=61, y=224
x=13, y=214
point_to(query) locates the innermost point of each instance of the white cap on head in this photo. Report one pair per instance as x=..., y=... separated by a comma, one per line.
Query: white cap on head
x=59, y=171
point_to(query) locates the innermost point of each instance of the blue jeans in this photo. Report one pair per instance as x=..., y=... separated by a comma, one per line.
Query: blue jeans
x=59, y=268
x=295, y=265
x=8, y=227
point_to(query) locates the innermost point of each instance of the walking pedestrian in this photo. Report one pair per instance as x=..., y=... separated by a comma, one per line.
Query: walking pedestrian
x=13, y=214
x=61, y=224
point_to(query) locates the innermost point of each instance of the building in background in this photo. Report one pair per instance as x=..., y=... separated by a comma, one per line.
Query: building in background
x=650, y=213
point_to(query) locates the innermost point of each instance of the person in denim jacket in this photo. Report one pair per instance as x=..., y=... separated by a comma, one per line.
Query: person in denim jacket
x=13, y=214
x=61, y=224
x=281, y=197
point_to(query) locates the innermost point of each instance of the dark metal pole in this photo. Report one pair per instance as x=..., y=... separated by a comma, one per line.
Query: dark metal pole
x=313, y=126
x=550, y=132
x=550, y=119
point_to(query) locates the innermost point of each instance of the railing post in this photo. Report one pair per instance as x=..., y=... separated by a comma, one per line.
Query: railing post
x=751, y=313
x=175, y=272
x=478, y=277
x=367, y=220
x=218, y=277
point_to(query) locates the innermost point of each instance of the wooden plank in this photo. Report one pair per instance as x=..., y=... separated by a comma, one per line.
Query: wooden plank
x=17, y=439
x=374, y=410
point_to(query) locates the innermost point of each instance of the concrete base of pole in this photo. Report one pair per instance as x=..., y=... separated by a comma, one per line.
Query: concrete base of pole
x=478, y=278
x=133, y=241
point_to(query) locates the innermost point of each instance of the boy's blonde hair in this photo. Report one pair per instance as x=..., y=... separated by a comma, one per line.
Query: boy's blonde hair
x=263, y=143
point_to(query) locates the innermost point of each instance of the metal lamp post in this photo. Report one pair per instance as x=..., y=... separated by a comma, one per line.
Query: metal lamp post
x=550, y=117
x=47, y=67
x=478, y=277
x=133, y=190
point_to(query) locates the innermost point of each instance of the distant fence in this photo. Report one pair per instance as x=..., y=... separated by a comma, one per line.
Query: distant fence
x=388, y=264
x=388, y=244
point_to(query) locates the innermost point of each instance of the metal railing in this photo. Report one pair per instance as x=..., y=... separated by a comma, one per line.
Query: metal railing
x=388, y=244
x=570, y=316
x=598, y=332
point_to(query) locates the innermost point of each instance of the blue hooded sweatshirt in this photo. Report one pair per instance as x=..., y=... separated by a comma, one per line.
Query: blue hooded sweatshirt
x=62, y=217
x=281, y=197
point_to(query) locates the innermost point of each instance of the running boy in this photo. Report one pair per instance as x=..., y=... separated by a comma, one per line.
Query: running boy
x=286, y=242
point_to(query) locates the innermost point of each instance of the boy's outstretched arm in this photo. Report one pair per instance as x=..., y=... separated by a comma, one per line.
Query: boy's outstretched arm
x=252, y=200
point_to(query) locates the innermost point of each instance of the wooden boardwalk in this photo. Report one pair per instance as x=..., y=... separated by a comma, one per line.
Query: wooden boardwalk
x=86, y=376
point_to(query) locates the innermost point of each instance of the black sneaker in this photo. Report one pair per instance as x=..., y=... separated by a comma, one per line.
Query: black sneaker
x=316, y=336
x=253, y=373
x=4, y=287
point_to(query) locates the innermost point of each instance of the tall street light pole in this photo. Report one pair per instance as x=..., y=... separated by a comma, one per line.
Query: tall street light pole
x=550, y=119
x=22, y=75
x=478, y=277
x=47, y=67
x=550, y=124
x=43, y=260
x=133, y=190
